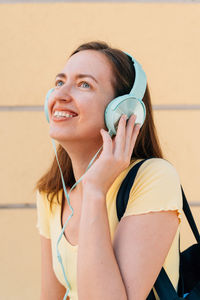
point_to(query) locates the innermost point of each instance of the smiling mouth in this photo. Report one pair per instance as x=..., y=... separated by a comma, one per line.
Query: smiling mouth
x=63, y=115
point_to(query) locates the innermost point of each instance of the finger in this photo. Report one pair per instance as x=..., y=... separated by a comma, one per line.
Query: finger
x=129, y=133
x=120, y=137
x=136, y=131
x=107, y=142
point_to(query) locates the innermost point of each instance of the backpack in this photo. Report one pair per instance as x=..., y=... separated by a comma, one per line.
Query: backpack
x=189, y=269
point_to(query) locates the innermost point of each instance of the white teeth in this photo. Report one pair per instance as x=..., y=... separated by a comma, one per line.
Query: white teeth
x=62, y=114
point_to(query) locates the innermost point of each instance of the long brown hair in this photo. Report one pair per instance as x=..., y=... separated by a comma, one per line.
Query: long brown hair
x=147, y=143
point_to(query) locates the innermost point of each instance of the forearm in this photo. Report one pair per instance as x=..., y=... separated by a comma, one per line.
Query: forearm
x=98, y=273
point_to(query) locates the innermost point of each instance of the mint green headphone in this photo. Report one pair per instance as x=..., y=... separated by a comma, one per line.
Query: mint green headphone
x=126, y=104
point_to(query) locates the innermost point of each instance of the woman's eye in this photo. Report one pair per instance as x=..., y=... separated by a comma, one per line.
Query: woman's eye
x=59, y=83
x=85, y=84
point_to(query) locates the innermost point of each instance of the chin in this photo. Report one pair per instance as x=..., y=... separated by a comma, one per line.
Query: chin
x=60, y=136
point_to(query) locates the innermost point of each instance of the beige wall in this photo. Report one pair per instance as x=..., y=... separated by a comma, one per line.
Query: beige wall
x=35, y=42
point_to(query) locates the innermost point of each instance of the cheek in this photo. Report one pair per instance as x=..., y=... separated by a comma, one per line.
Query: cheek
x=92, y=119
x=92, y=110
x=95, y=113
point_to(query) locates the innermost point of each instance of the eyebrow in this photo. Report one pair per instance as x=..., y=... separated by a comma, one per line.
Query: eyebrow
x=62, y=75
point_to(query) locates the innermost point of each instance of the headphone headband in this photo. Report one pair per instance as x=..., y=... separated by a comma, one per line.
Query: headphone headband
x=140, y=83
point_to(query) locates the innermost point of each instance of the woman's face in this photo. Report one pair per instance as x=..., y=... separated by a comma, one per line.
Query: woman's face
x=83, y=87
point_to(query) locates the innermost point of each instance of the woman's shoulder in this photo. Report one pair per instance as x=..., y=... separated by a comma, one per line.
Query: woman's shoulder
x=42, y=201
x=158, y=176
x=156, y=166
x=156, y=187
x=48, y=201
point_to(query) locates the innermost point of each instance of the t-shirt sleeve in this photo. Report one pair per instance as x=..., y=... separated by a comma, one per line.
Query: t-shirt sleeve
x=43, y=214
x=156, y=188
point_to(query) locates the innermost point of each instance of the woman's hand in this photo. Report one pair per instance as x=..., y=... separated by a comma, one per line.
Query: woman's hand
x=114, y=157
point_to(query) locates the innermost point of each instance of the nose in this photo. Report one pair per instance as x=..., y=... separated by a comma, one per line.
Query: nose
x=63, y=93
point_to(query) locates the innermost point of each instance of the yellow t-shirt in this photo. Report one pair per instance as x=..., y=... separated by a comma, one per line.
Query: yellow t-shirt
x=156, y=188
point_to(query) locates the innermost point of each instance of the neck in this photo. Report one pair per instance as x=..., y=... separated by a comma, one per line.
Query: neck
x=81, y=154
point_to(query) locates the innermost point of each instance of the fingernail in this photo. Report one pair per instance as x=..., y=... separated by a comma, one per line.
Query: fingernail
x=125, y=117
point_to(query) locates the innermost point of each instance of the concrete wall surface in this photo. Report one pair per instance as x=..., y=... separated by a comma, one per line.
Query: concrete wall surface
x=36, y=39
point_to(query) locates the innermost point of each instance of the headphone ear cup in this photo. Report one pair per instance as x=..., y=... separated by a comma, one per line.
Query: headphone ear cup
x=46, y=103
x=126, y=104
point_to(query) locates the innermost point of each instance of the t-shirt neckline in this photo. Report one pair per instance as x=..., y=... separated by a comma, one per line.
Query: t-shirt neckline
x=60, y=222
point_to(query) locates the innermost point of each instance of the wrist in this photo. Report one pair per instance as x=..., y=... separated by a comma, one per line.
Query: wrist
x=91, y=190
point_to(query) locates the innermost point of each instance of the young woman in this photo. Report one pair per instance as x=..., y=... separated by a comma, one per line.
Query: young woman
x=104, y=258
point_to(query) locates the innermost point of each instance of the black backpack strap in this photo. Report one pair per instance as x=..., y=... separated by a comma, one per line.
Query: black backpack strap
x=164, y=287
x=124, y=190
x=189, y=216
x=151, y=296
